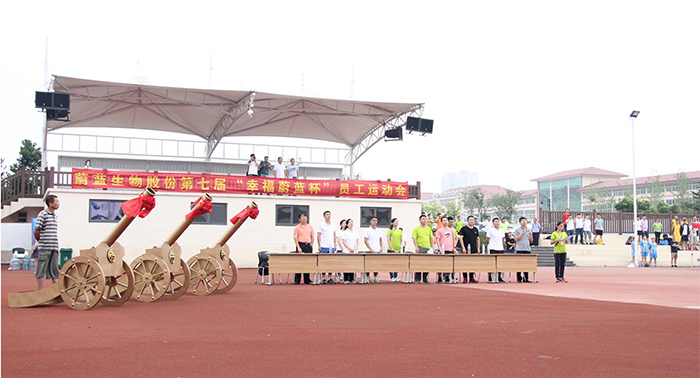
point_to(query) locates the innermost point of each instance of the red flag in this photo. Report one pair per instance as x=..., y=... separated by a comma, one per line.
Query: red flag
x=139, y=206
x=247, y=212
x=203, y=207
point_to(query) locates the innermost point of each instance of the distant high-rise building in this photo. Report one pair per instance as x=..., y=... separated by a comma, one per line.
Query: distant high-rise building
x=459, y=179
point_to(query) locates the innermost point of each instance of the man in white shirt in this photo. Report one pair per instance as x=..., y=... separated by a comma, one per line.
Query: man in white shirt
x=280, y=169
x=495, y=238
x=374, y=243
x=292, y=170
x=326, y=238
x=578, y=222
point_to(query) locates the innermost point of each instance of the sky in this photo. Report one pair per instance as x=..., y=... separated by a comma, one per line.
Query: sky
x=517, y=89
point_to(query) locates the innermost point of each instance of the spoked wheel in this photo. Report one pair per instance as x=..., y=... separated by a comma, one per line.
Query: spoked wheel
x=82, y=283
x=179, y=282
x=229, y=277
x=151, y=278
x=205, y=274
x=118, y=289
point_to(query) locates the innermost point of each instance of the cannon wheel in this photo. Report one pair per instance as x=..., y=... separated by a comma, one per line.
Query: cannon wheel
x=82, y=283
x=179, y=282
x=118, y=289
x=151, y=278
x=205, y=274
x=229, y=277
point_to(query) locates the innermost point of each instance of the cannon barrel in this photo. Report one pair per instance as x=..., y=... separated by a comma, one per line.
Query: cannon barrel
x=124, y=222
x=186, y=223
x=232, y=230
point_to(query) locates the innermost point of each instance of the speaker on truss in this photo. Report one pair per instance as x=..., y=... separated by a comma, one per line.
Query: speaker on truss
x=420, y=125
x=56, y=114
x=52, y=100
x=394, y=134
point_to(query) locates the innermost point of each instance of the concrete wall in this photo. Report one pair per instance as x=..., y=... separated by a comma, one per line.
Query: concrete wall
x=255, y=235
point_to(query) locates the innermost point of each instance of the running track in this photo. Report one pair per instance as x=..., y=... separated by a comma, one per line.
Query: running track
x=390, y=329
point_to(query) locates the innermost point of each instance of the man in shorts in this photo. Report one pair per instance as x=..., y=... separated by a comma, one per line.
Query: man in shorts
x=46, y=234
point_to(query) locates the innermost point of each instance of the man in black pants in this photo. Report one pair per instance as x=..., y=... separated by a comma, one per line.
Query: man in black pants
x=523, y=239
x=469, y=236
x=304, y=240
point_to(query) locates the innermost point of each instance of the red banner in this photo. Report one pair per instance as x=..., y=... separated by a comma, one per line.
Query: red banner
x=198, y=183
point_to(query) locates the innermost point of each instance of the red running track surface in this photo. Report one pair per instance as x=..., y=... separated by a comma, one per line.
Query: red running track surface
x=385, y=330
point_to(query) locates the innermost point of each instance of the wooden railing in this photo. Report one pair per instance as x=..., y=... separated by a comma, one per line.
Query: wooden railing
x=33, y=184
x=613, y=222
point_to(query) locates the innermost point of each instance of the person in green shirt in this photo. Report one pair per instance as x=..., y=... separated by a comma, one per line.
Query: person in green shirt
x=657, y=227
x=423, y=241
x=560, y=240
x=458, y=223
x=504, y=225
x=394, y=238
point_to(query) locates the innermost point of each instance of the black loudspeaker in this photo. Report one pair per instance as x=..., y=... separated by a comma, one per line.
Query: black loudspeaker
x=421, y=125
x=426, y=126
x=412, y=124
x=56, y=114
x=52, y=100
x=396, y=133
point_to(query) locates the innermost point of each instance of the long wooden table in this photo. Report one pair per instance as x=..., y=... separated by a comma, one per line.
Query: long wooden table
x=400, y=262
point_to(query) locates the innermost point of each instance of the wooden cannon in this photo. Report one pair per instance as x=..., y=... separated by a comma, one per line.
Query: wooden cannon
x=161, y=272
x=212, y=270
x=99, y=274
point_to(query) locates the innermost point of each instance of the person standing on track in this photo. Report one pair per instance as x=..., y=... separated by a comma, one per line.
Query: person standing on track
x=446, y=240
x=304, y=240
x=470, y=244
x=559, y=240
x=326, y=240
x=598, y=225
x=523, y=239
x=394, y=238
x=351, y=241
x=423, y=241
x=657, y=227
x=46, y=234
x=374, y=243
x=495, y=238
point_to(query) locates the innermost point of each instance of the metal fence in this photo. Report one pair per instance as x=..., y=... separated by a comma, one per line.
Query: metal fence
x=613, y=222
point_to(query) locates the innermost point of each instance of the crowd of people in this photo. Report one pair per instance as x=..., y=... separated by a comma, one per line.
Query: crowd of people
x=444, y=236
x=278, y=170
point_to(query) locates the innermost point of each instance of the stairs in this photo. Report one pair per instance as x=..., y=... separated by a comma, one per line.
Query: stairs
x=545, y=256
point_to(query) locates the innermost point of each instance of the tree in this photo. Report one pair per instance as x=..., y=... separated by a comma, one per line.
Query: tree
x=656, y=191
x=29, y=157
x=3, y=168
x=433, y=208
x=683, y=188
x=662, y=207
x=505, y=203
x=626, y=204
x=453, y=208
x=473, y=200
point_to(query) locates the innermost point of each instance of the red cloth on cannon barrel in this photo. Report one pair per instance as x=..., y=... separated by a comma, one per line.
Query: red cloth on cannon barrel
x=139, y=206
x=203, y=208
x=247, y=212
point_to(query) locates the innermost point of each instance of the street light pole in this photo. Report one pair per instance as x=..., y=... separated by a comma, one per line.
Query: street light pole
x=633, y=116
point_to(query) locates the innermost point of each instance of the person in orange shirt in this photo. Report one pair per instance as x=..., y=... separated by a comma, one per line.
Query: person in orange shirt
x=304, y=240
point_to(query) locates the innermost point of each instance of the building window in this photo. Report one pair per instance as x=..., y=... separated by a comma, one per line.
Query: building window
x=217, y=215
x=695, y=186
x=618, y=193
x=105, y=211
x=383, y=215
x=670, y=201
x=641, y=191
x=671, y=188
x=288, y=215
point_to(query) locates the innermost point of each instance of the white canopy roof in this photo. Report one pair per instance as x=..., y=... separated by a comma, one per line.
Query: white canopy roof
x=215, y=114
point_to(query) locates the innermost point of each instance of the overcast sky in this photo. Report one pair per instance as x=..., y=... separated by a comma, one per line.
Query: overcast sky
x=518, y=89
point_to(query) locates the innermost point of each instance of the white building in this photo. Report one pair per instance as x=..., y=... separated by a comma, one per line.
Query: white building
x=459, y=179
